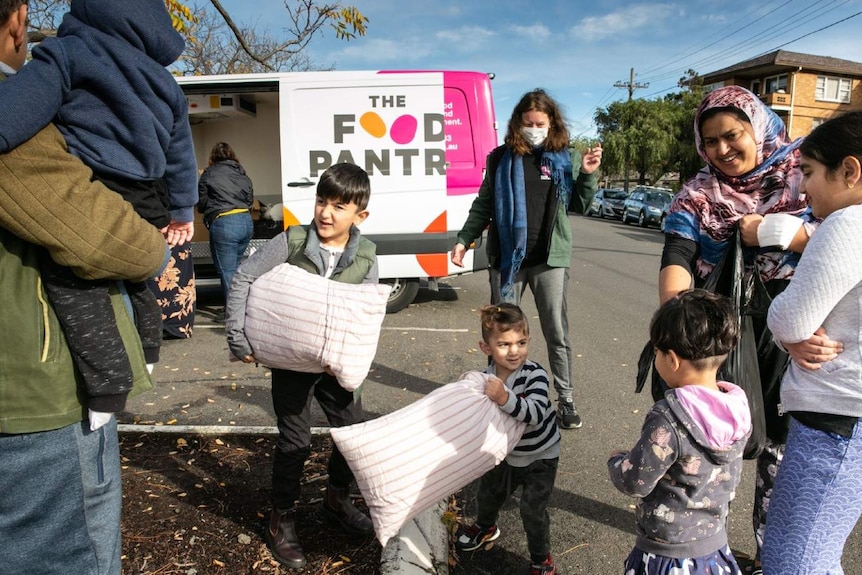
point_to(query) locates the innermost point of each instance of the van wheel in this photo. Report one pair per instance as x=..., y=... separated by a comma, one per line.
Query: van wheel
x=403, y=293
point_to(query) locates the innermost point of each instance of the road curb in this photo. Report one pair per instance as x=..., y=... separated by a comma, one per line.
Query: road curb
x=420, y=548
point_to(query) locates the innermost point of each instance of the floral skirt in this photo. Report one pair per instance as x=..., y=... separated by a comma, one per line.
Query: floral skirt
x=721, y=562
x=175, y=293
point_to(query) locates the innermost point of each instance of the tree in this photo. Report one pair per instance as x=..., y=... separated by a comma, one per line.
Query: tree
x=686, y=158
x=216, y=44
x=657, y=135
x=582, y=144
x=639, y=134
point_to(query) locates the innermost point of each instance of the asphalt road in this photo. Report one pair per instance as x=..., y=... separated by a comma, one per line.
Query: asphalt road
x=612, y=294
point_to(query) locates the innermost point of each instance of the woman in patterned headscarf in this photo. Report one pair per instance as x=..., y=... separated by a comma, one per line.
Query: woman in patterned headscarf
x=751, y=180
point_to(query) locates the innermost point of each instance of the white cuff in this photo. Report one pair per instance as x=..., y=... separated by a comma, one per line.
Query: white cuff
x=98, y=419
x=778, y=230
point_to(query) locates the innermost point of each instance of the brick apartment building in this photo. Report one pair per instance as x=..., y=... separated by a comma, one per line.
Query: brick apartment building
x=805, y=90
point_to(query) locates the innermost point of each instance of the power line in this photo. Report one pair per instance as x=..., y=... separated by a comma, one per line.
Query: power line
x=750, y=42
x=724, y=37
x=773, y=49
x=756, y=40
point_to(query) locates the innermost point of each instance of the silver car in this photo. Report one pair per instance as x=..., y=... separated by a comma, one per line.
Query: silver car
x=607, y=203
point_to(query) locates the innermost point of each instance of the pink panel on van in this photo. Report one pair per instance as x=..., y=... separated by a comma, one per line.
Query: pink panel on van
x=469, y=127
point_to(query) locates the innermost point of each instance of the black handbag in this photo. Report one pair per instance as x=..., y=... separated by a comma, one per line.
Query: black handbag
x=741, y=283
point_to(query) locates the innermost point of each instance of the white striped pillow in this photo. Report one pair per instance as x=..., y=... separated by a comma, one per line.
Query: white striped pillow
x=410, y=459
x=304, y=322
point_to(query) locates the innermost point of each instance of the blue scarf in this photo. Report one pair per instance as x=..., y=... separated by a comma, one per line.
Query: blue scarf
x=510, y=202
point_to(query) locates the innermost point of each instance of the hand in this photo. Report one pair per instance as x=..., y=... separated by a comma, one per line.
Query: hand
x=248, y=359
x=592, y=159
x=496, y=391
x=98, y=419
x=748, y=228
x=178, y=233
x=817, y=349
x=458, y=255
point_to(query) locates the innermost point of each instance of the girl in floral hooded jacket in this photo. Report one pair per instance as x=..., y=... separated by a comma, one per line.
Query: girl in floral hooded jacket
x=686, y=465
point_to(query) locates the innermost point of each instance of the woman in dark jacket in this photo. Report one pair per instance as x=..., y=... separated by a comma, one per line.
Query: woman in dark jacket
x=225, y=195
x=530, y=182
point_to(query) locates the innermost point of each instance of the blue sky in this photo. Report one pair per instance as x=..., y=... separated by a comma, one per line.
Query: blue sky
x=577, y=51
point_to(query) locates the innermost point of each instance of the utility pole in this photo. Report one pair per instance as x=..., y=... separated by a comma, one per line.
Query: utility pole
x=631, y=85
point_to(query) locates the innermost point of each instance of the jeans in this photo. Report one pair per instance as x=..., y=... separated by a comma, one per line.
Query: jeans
x=549, y=290
x=229, y=237
x=292, y=392
x=60, y=501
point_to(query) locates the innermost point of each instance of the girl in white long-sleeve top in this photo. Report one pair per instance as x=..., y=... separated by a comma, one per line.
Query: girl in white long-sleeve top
x=818, y=493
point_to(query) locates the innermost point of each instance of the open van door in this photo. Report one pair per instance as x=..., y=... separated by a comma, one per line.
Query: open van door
x=423, y=138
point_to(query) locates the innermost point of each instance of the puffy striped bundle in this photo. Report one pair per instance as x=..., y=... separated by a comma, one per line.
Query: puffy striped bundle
x=304, y=322
x=408, y=460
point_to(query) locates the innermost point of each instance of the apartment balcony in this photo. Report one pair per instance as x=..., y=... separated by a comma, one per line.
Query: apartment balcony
x=776, y=100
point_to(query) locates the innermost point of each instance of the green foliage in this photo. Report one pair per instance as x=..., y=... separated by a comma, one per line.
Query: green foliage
x=651, y=138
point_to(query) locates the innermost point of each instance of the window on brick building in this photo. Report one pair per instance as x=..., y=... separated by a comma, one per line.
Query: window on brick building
x=775, y=84
x=832, y=89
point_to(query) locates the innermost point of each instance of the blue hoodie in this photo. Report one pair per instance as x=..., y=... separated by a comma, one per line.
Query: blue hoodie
x=104, y=81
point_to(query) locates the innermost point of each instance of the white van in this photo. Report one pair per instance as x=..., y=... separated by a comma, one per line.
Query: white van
x=422, y=137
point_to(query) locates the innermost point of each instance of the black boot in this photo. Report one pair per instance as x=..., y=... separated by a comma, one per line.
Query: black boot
x=282, y=539
x=338, y=508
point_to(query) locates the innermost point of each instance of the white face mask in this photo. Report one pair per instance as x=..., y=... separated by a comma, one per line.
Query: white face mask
x=536, y=136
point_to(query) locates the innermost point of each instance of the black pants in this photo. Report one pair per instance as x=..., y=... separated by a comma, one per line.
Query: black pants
x=537, y=482
x=84, y=309
x=292, y=392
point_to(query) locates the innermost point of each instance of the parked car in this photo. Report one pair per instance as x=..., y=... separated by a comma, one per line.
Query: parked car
x=647, y=205
x=607, y=203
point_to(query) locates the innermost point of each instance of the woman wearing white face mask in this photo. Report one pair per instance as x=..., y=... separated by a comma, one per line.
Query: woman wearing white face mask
x=529, y=186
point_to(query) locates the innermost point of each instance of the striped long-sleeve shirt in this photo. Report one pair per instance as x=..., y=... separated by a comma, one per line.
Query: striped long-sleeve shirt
x=529, y=401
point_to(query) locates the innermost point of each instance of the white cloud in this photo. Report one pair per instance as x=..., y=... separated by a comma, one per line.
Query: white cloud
x=535, y=33
x=378, y=50
x=623, y=21
x=466, y=38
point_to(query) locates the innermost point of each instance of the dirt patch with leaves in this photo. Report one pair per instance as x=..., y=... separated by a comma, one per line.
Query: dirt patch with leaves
x=197, y=505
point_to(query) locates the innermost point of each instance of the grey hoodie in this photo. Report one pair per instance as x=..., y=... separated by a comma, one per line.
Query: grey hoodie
x=682, y=480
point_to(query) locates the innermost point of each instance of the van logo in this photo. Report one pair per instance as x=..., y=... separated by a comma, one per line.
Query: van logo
x=425, y=154
x=403, y=129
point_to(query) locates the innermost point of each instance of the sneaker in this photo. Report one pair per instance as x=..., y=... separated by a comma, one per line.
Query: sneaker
x=474, y=537
x=546, y=567
x=567, y=415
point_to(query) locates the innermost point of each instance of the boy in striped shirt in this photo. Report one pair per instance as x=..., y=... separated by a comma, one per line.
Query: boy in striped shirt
x=520, y=388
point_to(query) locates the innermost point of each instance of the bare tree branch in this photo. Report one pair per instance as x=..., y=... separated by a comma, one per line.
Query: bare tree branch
x=217, y=44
